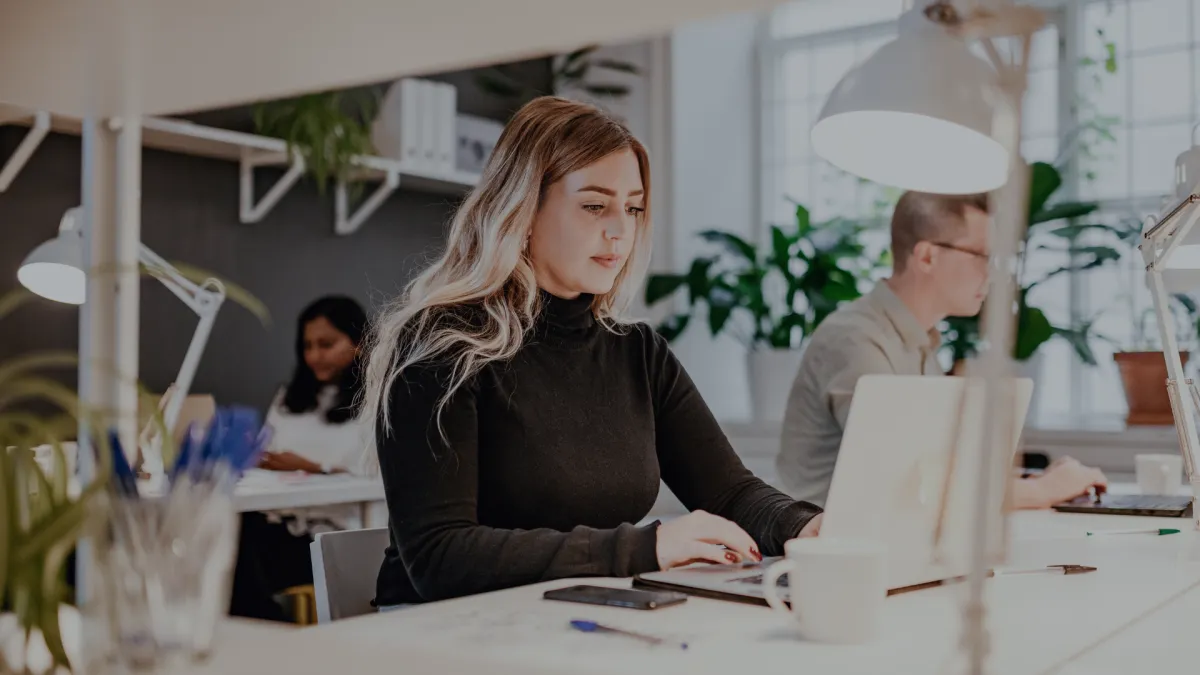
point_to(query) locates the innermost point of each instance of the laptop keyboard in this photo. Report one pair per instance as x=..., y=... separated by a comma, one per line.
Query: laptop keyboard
x=757, y=579
x=1143, y=501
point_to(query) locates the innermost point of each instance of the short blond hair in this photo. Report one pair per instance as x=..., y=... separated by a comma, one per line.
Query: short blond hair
x=923, y=216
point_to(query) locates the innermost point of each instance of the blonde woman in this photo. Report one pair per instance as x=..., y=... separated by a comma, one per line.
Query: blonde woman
x=522, y=420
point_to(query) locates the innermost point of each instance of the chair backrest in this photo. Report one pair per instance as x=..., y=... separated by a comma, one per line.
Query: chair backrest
x=345, y=567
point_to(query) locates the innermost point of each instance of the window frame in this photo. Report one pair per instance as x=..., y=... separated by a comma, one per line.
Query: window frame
x=1070, y=18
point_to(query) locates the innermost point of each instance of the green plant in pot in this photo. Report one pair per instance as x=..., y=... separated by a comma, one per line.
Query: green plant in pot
x=769, y=298
x=42, y=516
x=1053, y=226
x=327, y=129
x=1143, y=367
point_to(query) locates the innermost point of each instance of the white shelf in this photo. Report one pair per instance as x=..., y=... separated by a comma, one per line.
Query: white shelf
x=250, y=151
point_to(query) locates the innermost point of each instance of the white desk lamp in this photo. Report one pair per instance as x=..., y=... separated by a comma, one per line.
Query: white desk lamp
x=1169, y=247
x=924, y=113
x=55, y=270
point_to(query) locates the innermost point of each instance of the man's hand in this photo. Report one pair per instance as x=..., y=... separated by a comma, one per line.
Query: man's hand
x=1064, y=479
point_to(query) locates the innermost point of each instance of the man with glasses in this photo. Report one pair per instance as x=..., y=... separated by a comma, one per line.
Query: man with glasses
x=940, y=267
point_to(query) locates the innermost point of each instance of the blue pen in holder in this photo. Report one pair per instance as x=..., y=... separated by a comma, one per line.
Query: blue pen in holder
x=169, y=557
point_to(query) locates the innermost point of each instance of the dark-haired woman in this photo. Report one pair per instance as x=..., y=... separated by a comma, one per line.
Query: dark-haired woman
x=315, y=431
x=313, y=416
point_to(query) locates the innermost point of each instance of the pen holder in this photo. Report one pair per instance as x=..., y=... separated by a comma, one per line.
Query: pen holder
x=168, y=566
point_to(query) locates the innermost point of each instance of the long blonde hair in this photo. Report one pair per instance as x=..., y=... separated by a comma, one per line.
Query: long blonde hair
x=486, y=264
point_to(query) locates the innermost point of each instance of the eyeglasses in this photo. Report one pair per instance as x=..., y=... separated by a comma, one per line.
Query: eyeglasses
x=952, y=247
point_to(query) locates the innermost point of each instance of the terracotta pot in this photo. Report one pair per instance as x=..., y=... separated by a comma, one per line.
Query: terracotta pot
x=1144, y=376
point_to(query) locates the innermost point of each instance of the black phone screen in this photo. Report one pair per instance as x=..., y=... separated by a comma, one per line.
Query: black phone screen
x=616, y=597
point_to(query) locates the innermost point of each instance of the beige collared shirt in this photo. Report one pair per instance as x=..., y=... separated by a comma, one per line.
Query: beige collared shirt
x=875, y=334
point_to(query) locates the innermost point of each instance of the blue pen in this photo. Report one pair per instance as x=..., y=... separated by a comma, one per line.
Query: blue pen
x=593, y=627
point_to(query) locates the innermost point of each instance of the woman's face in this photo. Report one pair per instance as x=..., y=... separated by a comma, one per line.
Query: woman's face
x=327, y=350
x=585, y=230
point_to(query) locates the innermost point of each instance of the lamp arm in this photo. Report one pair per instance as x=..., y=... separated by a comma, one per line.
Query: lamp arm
x=205, y=300
x=1178, y=386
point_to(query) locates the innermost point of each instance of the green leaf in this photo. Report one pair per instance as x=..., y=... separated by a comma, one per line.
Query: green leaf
x=781, y=251
x=1044, y=180
x=1071, y=232
x=731, y=242
x=803, y=222
x=1080, y=342
x=578, y=54
x=698, y=282
x=12, y=300
x=1033, y=330
x=660, y=286
x=718, y=316
x=674, y=326
x=1188, y=303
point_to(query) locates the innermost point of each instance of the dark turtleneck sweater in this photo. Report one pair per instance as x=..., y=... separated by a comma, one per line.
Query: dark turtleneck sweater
x=552, y=456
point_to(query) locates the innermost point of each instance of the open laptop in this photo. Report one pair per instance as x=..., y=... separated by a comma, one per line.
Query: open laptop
x=906, y=475
x=1161, y=506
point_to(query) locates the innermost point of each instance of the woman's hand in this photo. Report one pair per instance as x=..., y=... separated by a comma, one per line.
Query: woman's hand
x=288, y=461
x=1063, y=480
x=698, y=537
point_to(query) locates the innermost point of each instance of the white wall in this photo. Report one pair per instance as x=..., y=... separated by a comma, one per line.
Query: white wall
x=713, y=177
x=694, y=108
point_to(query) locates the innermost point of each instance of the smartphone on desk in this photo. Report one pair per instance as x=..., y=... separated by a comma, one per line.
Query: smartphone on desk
x=616, y=597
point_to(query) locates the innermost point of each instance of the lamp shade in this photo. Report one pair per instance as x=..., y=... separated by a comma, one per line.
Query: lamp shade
x=54, y=270
x=915, y=115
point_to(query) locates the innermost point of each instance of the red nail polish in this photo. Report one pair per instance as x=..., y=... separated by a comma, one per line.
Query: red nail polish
x=754, y=552
x=731, y=556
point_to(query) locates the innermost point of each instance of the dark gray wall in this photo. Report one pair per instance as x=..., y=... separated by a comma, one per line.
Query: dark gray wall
x=190, y=214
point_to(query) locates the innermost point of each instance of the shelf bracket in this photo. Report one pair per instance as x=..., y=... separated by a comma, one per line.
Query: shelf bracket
x=37, y=132
x=347, y=223
x=251, y=212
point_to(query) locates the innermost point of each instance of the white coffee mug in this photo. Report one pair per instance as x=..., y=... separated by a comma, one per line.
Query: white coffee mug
x=1159, y=474
x=836, y=586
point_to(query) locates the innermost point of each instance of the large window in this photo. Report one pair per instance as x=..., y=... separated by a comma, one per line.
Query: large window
x=1144, y=111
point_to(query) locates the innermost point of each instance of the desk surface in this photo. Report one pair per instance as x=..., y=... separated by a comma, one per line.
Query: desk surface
x=262, y=490
x=1094, y=623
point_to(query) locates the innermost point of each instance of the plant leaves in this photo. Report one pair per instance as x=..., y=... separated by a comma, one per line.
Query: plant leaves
x=1033, y=330
x=607, y=90
x=718, y=316
x=674, y=326
x=697, y=279
x=620, y=66
x=1080, y=342
x=578, y=54
x=234, y=292
x=803, y=222
x=1044, y=180
x=660, y=286
x=731, y=242
x=1063, y=210
x=781, y=252
x=13, y=299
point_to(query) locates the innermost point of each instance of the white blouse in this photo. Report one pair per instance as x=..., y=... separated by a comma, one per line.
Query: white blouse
x=313, y=437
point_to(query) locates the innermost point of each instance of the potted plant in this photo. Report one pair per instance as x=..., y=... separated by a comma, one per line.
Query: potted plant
x=1144, y=369
x=328, y=129
x=569, y=74
x=41, y=517
x=1090, y=245
x=770, y=299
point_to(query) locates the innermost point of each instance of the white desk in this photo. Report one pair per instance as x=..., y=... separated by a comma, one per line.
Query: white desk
x=1040, y=624
x=262, y=490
